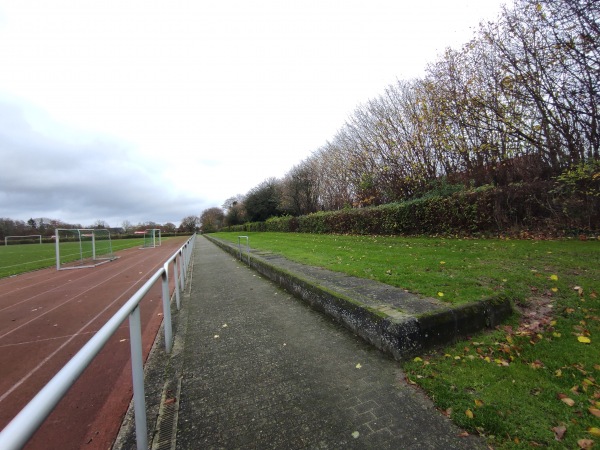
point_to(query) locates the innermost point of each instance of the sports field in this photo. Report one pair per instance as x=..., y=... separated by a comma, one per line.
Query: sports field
x=19, y=258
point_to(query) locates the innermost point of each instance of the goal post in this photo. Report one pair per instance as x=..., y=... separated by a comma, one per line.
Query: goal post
x=82, y=247
x=14, y=240
x=152, y=238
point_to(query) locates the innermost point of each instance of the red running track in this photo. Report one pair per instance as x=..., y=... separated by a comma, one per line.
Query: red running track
x=46, y=316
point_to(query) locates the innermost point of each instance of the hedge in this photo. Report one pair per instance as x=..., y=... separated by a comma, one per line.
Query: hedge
x=489, y=210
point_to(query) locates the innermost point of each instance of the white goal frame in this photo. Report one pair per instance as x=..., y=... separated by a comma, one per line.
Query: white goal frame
x=39, y=236
x=92, y=257
x=152, y=238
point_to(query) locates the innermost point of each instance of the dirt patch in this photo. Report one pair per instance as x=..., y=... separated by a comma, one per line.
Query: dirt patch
x=536, y=314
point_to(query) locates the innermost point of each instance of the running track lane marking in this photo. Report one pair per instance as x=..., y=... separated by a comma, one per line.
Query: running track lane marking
x=33, y=274
x=63, y=303
x=51, y=355
x=44, y=340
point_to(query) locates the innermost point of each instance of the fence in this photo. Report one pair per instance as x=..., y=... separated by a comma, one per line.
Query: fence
x=16, y=434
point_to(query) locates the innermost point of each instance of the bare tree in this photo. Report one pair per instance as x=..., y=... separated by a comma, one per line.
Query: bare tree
x=189, y=224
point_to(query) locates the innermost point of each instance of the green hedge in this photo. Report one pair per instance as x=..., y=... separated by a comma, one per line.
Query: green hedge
x=488, y=210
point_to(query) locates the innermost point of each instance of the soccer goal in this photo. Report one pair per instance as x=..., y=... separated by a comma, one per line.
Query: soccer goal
x=152, y=238
x=30, y=239
x=82, y=247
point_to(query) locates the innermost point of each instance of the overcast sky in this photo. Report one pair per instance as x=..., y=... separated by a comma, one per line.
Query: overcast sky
x=153, y=111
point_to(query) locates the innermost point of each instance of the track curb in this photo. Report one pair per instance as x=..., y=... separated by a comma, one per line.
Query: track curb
x=394, y=321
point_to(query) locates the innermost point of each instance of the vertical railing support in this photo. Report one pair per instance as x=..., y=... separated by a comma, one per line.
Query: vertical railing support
x=167, y=308
x=176, y=262
x=137, y=367
x=57, y=247
x=184, y=267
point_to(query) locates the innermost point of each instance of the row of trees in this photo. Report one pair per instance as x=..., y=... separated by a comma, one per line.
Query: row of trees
x=46, y=227
x=518, y=103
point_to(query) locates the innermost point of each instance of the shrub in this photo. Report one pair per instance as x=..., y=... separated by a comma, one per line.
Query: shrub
x=534, y=206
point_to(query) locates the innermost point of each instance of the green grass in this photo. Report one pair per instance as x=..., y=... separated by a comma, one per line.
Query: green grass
x=462, y=270
x=15, y=259
x=510, y=380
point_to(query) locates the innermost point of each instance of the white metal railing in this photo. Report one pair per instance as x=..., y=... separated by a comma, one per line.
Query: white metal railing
x=16, y=434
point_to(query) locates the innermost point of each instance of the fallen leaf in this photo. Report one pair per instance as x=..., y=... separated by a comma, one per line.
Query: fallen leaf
x=554, y=277
x=568, y=401
x=355, y=434
x=585, y=443
x=594, y=431
x=417, y=359
x=224, y=325
x=440, y=294
x=479, y=403
x=464, y=434
x=537, y=364
x=358, y=366
x=579, y=290
x=559, y=432
x=469, y=413
x=584, y=339
x=594, y=412
x=216, y=336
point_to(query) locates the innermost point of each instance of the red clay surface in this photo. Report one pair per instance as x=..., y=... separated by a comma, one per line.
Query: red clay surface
x=46, y=316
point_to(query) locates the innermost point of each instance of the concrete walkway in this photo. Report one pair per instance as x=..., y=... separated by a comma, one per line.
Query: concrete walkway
x=261, y=370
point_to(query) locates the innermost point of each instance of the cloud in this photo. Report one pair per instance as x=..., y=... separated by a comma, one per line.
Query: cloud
x=51, y=171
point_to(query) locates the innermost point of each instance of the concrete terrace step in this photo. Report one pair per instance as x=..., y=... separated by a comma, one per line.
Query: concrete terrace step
x=392, y=319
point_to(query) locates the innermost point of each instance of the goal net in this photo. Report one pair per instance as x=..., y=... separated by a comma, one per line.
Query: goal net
x=30, y=239
x=82, y=247
x=152, y=238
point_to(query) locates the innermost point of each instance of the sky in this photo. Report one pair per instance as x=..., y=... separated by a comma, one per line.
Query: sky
x=142, y=111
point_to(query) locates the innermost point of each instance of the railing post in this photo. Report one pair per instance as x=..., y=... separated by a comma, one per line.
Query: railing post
x=167, y=308
x=184, y=265
x=176, y=278
x=137, y=367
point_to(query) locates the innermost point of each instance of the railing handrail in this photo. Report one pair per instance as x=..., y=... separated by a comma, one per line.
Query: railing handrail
x=16, y=434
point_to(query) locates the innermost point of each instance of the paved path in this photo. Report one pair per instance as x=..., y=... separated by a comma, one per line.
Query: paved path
x=262, y=370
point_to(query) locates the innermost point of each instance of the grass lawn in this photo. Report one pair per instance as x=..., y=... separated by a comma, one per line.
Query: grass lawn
x=15, y=259
x=533, y=382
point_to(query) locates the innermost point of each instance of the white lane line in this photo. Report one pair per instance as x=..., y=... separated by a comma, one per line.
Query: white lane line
x=66, y=301
x=63, y=345
x=37, y=341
